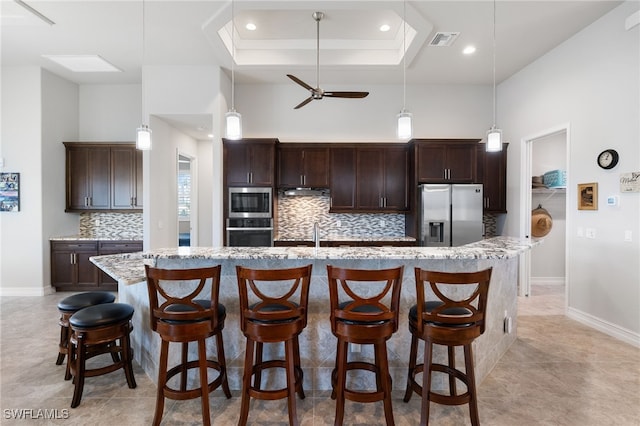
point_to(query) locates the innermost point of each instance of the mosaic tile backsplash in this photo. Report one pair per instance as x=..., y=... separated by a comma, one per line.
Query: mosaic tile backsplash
x=111, y=225
x=296, y=216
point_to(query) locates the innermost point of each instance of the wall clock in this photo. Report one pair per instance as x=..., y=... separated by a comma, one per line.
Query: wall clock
x=608, y=159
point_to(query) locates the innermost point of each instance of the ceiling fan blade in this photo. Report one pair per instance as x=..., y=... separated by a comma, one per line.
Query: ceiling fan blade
x=303, y=103
x=346, y=94
x=300, y=82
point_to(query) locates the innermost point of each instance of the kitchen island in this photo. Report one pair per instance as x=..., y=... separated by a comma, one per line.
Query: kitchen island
x=317, y=344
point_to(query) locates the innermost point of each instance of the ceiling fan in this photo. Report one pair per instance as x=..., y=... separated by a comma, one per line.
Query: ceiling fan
x=318, y=93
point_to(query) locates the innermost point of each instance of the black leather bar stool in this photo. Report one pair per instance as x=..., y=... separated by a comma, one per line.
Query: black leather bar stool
x=96, y=330
x=455, y=318
x=69, y=306
x=179, y=316
x=273, y=309
x=360, y=316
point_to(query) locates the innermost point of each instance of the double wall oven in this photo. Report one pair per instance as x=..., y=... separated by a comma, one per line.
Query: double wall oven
x=250, y=217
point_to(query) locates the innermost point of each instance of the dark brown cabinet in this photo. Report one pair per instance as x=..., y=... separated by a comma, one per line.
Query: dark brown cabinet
x=126, y=178
x=492, y=173
x=71, y=269
x=103, y=176
x=342, y=181
x=450, y=161
x=382, y=180
x=300, y=166
x=249, y=162
x=88, y=176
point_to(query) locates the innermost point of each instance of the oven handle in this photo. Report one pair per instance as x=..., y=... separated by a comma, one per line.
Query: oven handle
x=249, y=229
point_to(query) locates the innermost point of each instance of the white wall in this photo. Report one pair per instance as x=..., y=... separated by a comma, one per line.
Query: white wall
x=109, y=112
x=590, y=81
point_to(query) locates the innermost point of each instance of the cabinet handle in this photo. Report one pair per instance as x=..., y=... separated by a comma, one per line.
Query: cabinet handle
x=444, y=173
x=90, y=201
x=302, y=180
x=86, y=201
x=71, y=258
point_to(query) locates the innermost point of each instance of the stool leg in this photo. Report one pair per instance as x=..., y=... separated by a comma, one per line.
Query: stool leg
x=452, y=364
x=385, y=379
x=341, y=364
x=246, y=382
x=426, y=383
x=469, y=371
x=64, y=344
x=204, y=382
x=223, y=365
x=162, y=381
x=79, y=363
x=183, y=373
x=413, y=355
x=127, y=356
x=291, y=381
x=257, y=378
x=296, y=351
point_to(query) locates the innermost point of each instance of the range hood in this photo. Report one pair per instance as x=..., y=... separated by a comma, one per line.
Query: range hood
x=298, y=192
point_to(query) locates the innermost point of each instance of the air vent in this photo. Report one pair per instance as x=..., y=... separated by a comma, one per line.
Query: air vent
x=443, y=39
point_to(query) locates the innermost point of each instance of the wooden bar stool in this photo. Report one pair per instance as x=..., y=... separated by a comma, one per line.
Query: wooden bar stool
x=273, y=309
x=455, y=318
x=69, y=306
x=97, y=330
x=177, y=316
x=360, y=316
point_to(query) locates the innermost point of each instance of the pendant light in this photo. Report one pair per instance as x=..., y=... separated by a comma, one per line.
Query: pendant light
x=143, y=133
x=233, y=119
x=404, y=128
x=494, y=135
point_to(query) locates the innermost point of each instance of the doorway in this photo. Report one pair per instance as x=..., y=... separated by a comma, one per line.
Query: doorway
x=543, y=270
x=186, y=201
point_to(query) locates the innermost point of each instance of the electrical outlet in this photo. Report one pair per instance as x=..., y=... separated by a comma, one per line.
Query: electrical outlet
x=580, y=232
x=383, y=222
x=97, y=222
x=338, y=223
x=591, y=233
x=628, y=235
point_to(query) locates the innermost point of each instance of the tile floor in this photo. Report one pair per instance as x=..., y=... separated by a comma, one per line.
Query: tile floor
x=558, y=372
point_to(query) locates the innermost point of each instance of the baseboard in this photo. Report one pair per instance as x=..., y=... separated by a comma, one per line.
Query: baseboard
x=605, y=327
x=25, y=291
x=547, y=280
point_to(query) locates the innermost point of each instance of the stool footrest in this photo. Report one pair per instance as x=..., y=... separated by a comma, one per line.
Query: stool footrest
x=179, y=395
x=273, y=394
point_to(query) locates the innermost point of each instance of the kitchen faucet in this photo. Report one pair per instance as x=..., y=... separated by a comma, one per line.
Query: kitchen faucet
x=316, y=234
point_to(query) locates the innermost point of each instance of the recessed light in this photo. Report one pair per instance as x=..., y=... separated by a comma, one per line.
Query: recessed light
x=469, y=50
x=384, y=28
x=251, y=26
x=83, y=63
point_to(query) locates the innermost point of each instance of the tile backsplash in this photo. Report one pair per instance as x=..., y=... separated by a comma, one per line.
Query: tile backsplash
x=111, y=225
x=296, y=216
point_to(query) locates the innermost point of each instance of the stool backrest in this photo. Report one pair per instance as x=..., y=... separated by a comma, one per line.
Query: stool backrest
x=455, y=306
x=173, y=294
x=286, y=298
x=349, y=302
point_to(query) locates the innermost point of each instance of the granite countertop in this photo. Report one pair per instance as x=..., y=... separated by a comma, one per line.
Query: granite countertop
x=128, y=268
x=120, y=236
x=346, y=238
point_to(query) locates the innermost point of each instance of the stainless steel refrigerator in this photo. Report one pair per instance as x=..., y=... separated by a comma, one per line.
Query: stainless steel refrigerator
x=450, y=215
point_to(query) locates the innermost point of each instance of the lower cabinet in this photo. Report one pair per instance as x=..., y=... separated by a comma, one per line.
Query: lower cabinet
x=71, y=269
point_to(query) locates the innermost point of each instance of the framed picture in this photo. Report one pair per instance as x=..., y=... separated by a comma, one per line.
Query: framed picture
x=588, y=196
x=9, y=192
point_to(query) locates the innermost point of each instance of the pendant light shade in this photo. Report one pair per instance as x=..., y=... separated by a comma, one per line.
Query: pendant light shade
x=233, y=119
x=405, y=125
x=233, y=125
x=143, y=138
x=494, y=135
x=143, y=133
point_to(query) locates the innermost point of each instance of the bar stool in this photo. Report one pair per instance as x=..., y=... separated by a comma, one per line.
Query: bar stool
x=97, y=330
x=177, y=316
x=69, y=306
x=456, y=318
x=273, y=309
x=364, y=319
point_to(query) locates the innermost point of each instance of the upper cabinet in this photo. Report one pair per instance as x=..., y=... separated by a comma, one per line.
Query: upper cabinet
x=445, y=160
x=371, y=178
x=382, y=180
x=303, y=166
x=249, y=162
x=492, y=173
x=126, y=178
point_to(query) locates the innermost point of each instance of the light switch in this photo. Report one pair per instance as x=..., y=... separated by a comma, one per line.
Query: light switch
x=580, y=232
x=628, y=235
x=591, y=233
